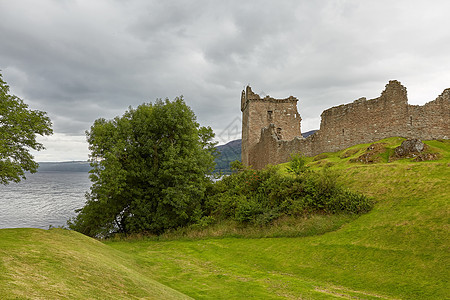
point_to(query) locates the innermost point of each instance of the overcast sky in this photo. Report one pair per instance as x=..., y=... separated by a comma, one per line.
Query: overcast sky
x=82, y=60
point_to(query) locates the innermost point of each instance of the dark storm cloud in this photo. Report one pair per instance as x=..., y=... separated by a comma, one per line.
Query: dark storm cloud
x=81, y=60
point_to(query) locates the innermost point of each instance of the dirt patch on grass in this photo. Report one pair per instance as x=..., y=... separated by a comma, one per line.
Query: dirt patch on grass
x=372, y=154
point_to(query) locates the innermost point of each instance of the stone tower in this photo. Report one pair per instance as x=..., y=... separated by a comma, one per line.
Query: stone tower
x=259, y=113
x=271, y=127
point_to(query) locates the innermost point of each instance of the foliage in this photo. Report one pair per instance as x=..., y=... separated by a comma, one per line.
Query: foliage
x=236, y=166
x=297, y=165
x=261, y=196
x=150, y=170
x=19, y=126
x=399, y=250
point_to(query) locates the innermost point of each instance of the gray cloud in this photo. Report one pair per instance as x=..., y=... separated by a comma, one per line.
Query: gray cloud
x=81, y=60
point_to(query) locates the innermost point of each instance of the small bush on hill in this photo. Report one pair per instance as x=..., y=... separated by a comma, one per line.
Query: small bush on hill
x=297, y=164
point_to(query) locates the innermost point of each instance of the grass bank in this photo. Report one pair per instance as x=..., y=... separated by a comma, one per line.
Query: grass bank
x=61, y=264
x=399, y=250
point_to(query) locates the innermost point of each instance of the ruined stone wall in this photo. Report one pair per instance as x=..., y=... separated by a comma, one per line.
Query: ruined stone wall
x=362, y=121
x=258, y=113
x=432, y=120
x=270, y=150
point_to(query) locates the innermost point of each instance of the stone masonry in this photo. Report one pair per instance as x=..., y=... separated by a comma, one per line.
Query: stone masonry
x=259, y=113
x=271, y=127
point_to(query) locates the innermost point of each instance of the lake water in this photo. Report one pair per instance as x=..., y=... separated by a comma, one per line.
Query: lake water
x=44, y=199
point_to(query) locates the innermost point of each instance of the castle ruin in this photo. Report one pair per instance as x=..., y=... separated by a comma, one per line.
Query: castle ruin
x=271, y=127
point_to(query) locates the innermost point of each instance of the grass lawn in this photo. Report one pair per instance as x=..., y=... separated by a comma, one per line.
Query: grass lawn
x=62, y=264
x=399, y=250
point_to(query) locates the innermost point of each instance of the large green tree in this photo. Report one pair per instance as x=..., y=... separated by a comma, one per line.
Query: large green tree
x=19, y=127
x=150, y=170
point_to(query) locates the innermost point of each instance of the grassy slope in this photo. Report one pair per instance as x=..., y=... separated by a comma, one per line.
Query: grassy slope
x=399, y=250
x=58, y=264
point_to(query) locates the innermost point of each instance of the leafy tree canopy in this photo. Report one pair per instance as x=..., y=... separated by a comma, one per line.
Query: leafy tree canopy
x=19, y=127
x=150, y=170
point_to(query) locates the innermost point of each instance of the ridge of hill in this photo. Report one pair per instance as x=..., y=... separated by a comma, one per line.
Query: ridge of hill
x=57, y=263
x=308, y=133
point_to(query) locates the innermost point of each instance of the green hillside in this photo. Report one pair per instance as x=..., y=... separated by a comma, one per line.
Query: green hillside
x=61, y=264
x=227, y=154
x=399, y=250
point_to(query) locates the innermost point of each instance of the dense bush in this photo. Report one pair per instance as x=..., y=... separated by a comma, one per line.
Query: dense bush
x=260, y=196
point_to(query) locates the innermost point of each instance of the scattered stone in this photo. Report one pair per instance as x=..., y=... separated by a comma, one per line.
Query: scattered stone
x=414, y=148
x=426, y=156
x=410, y=147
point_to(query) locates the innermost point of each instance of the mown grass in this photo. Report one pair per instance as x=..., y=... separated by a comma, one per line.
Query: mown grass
x=285, y=226
x=62, y=264
x=399, y=250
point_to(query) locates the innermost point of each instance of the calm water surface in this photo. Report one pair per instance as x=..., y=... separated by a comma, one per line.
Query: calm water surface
x=43, y=199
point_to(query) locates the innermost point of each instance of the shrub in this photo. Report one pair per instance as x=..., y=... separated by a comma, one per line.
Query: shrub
x=261, y=196
x=297, y=165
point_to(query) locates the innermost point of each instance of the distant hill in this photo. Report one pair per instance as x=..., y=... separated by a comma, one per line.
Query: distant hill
x=66, y=166
x=308, y=133
x=228, y=153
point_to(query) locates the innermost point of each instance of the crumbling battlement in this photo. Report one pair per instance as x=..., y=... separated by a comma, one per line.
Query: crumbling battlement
x=258, y=113
x=362, y=121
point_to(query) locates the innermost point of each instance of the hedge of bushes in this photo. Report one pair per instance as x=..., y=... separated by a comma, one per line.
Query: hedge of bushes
x=260, y=196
